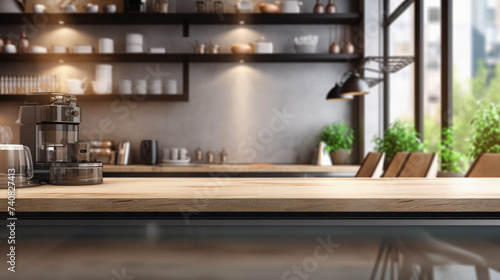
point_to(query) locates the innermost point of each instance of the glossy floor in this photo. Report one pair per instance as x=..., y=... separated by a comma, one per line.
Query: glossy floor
x=155, y=250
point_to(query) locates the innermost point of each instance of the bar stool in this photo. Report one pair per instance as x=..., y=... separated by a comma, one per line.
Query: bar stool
x=420, y=165
x=396, y=164
x=372, y=166
x=486, y=165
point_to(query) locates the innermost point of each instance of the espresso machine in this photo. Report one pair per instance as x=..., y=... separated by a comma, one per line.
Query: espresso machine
x=49, y=128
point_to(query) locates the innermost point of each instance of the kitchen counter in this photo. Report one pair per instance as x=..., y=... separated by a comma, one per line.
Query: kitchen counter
x=264, y=168
x=283, y=195
x=232, y=170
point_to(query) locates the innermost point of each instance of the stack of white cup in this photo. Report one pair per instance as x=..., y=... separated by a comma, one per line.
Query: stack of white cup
x=103, y=78
x=106, y=45
x=134, y=43
x=171, y=87
x=125, y=87
x=155, y=87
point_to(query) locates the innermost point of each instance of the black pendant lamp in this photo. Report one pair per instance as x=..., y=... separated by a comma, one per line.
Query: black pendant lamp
x=334, y=94
x=355, y=85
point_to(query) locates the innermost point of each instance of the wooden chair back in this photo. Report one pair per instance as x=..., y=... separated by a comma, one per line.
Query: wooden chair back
x=420, y=165
x=486, y=165
x=372, y=166
x=396, y=165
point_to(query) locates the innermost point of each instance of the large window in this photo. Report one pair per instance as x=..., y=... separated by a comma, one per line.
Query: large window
x=476, y=62
x=402, y=87
x=432, y=72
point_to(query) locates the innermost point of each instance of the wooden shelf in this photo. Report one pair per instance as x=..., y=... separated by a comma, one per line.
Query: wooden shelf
x=110, y=97
x=177, y=58
x=182, y=19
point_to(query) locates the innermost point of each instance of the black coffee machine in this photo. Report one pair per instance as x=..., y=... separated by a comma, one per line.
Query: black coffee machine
x=49, y=127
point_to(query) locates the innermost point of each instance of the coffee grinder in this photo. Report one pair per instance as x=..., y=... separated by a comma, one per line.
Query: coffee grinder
x=49, y=127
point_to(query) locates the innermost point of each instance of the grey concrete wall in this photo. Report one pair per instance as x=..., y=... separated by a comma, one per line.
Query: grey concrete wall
x=232, y=106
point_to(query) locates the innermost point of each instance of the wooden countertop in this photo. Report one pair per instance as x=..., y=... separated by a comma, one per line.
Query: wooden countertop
x=233, y=168
x=223, y=194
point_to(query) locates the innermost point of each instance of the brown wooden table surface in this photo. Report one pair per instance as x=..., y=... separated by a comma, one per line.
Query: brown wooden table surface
x=233, y=168
x=264, y=195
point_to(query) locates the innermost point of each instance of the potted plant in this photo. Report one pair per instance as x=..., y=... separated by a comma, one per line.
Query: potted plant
x=399, y=137
x=452, y=162
x=338, y=139
x=485, y=131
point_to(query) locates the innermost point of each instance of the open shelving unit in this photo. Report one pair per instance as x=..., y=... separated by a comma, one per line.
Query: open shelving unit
x=110, y=97
x=177, y=58
x=180, y=19
x=186, y=20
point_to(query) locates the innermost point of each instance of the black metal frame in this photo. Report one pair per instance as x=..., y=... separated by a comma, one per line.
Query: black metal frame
x=446, y=63
x=419, y=59
x=419, y=67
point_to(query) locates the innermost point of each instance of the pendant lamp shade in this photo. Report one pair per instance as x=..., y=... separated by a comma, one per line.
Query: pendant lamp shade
x=334, y=94
x=355, y=85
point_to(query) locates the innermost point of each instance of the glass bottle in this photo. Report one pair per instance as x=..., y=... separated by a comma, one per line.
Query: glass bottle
x=1, y=43
x=24, y=44
x=319, y=8
x=331, y=8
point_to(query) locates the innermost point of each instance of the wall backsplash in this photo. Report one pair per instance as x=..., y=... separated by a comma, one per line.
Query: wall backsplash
x=258, y=112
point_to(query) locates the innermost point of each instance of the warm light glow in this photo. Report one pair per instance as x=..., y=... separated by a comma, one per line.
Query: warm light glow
x=61, y=60
x=239, y=80
x=236, y=34
x=61, y=22
x=242, y=61
x=242, y=22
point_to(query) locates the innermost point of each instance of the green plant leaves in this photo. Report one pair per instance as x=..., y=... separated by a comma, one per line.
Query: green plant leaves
x=400, y=137
x=337, y=137
x=485, y=131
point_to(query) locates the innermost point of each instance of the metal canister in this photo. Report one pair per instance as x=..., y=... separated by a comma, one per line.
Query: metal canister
x=210, y=157
x=162, y=6
x=223, y=156
x=198, y=155
x=123, y=153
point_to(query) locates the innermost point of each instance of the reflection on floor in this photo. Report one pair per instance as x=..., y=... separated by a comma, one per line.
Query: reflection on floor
x=242, y=252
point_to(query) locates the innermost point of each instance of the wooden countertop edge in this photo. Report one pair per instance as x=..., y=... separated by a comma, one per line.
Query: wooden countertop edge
x=254, y=205
x=234, y=168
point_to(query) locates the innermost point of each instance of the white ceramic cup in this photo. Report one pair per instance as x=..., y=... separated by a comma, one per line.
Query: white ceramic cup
x=140, y=87
x=171, y=87
x=104, y=72
x=38, y=49
x=109, y=9
x=155, y=87
x=70, y=8
x=125, y=87
x=174, y=153
x=290, y=6
x=166, y=153
x=76, y=86
x=134, y=38
x=10, y=48
x=91, y=8
x=38, y=8
x=183, y=153
x=102, y=87
x=106, y=45
x=59, y=49
x=134, y=48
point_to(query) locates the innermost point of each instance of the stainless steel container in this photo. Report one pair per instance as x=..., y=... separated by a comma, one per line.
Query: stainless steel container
x=162, y=6
x=123, y=153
